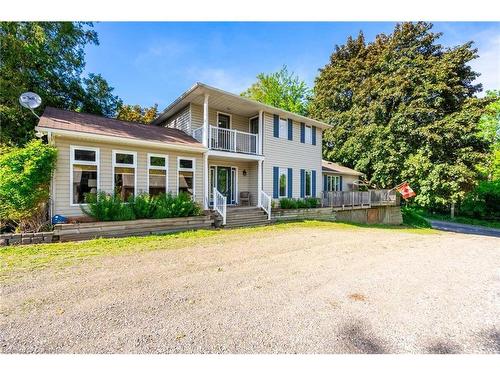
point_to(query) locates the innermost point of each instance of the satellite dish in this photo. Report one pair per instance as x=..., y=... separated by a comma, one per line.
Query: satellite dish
x=30, y=100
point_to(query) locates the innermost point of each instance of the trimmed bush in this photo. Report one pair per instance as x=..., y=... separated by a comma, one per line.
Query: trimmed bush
x=106, y=207
x=289, y=203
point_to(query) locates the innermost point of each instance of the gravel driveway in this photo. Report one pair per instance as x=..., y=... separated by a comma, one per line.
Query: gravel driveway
x=299, y=290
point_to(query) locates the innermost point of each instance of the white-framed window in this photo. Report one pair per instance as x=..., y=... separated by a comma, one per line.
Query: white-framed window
x=84, y=173
x=308, y=183
x=186, y=175
x=283, y=128
x=157, y=174
x=308, y=134
x=333, y=183
x=283, y=183
x=125, y=173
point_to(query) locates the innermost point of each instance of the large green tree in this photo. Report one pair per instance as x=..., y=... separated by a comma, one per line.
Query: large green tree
x=489, y=126
x=281, y=89
x=404, y=108
x=47, y=58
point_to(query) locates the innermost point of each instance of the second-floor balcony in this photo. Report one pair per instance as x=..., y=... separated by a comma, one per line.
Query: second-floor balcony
x=228, y=140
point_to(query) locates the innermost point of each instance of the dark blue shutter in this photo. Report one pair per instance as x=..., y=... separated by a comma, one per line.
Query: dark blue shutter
x=302, y=182
x=276, y=172
x=325, y=182
x=302, y=132
x=290, y=182
x=276, y=126
x=313, y=176
x=290, y=129
x=313, y=130
x=341, y=183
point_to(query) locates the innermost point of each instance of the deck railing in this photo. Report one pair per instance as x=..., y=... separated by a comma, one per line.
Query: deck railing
x=232, y=140
x=346, y=199
x=220, y=205
x=265, y=201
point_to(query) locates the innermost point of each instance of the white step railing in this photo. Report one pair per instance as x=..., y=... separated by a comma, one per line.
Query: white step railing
x=198, y=134
x=265, y=201
x=232, y=140
x=220, y=205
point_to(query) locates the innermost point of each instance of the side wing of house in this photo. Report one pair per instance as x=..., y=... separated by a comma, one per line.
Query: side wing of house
x=292, y=165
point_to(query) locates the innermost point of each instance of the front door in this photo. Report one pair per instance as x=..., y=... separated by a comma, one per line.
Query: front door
x=224, y=180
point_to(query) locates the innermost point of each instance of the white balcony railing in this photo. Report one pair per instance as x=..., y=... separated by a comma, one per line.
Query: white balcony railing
x=232, y=140
x=265, y=201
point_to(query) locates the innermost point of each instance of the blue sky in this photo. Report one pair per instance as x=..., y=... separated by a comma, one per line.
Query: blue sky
x=152, y=62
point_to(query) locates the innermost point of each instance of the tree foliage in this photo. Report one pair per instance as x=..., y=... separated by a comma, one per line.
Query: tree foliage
x=24, y=179
x=136, y=113
x=404, y=108
x=47, y=58
x=281, y=89
x=489, y=126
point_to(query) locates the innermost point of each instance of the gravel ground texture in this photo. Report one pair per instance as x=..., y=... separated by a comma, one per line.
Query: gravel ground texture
x=301, y=290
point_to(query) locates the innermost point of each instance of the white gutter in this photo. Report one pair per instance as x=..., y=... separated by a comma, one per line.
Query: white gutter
x=122, y=140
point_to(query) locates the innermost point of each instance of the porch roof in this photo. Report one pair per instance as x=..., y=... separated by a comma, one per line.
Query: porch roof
x=228, y=102
x=331, y=167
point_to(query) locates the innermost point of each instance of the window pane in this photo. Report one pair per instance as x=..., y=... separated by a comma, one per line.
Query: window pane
x=308, y=134
x=224, y=121
x=157, y=181
x=157, y=161
x=186, y=181
x=186, y=164
x=124, y=158
x=282, y=184
x=283, y=129
x=84, y=181
x=124, y=182
x=308, y=183
x=84, y=155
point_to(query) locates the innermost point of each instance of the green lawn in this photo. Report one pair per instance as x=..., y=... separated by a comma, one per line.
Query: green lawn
x=16, y=260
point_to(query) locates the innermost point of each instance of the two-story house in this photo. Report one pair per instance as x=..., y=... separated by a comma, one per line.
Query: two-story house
x=222, y=149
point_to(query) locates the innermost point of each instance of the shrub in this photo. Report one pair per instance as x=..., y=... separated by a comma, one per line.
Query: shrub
x=106, y=207
x=289, y=203
x=25, y=175
x=483, y=202
x=412, y=218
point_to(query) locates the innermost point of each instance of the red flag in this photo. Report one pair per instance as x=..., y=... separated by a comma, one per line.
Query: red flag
x=405, y=190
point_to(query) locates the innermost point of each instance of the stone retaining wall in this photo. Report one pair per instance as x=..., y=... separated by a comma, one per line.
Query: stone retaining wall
x=25, y=238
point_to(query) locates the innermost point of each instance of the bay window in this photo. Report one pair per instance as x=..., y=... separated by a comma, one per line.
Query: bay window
x=84, y=173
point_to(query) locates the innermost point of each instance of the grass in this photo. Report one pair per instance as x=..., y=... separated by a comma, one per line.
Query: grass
x=18, y=260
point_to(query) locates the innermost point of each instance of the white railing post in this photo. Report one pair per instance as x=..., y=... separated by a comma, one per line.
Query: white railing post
x=259, y=182
x=266, y=203
x=220, y=205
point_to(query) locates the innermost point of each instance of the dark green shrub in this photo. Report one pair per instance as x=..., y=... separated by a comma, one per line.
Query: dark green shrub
x=412, y=218
x=483, y=202
x=107, y=207
x=24, y=182
x=312, y=202
x=288, y=203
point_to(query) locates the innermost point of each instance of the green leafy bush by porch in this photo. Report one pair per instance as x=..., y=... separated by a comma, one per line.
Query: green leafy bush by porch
x=289, y=203
x=110, y=207
x=25, y=174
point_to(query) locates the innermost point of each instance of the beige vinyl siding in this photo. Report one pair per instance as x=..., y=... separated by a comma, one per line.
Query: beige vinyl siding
x=181, y=120
x=280, y=152
x=61, y=200
x=238, y=122
x=245, y=183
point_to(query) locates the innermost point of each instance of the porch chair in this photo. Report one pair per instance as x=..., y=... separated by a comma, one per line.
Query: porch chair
x=245, y=198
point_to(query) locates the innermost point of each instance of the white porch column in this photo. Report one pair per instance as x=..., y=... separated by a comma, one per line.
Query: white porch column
x=260, y=136
x=259, y=183
x=205, y=121
x=205, y=180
